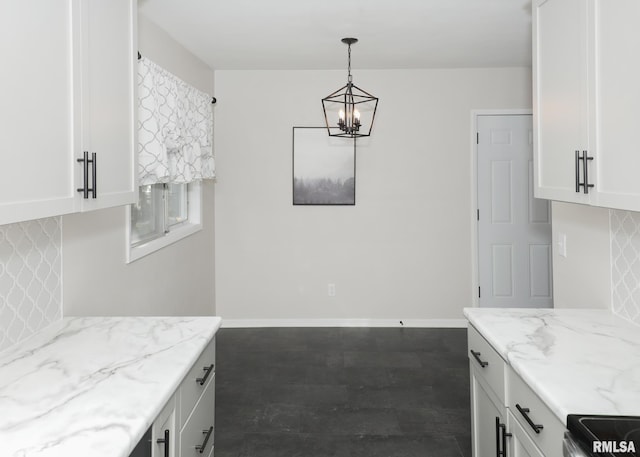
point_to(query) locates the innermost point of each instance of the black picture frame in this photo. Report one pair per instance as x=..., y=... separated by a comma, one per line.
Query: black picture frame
x=324, y=168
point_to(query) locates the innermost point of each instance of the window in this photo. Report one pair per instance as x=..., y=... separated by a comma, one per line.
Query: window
x=164, y=214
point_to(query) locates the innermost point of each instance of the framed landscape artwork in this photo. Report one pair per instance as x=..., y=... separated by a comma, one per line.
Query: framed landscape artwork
x=324, y=168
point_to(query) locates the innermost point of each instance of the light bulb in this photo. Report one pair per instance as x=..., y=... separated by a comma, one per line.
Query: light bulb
x=341, y=115
x=356, y=114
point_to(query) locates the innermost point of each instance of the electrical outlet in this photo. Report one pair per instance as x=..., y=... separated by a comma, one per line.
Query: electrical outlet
x=331, y=289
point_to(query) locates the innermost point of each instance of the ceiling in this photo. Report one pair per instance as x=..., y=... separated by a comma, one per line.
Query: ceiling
x=305, y=34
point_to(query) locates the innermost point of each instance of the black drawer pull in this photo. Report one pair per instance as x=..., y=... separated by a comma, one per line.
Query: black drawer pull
x=524, y=411
x=202, y=446
x=165, y=441
x=207, y=372
x=476, y=355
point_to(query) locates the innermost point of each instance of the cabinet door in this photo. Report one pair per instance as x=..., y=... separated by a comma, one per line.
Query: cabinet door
x=561, y=96
x=108, y=60
x=484, y=432
x=36, y=113
x=164, y=429
x=618, y=99
x=519, y=444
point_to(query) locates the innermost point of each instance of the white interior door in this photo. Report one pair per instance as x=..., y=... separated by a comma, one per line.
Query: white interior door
x=514, y=228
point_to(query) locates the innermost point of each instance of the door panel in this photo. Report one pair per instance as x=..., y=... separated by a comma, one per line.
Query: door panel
x=540, y=280
x=502, y=270
x=501, y=192
x=538, y=208
x=514, y=229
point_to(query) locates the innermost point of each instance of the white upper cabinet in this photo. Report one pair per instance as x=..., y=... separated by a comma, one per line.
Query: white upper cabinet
x=618, y=104
x=67, y=87
x=561, y=98
x=585, y=101
x=36, y=109
x=108, y=61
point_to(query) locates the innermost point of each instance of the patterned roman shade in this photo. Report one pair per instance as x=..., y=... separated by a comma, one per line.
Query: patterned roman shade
x=175, y=133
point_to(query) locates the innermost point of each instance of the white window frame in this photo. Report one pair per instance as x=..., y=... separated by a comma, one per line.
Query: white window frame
x=175, y=232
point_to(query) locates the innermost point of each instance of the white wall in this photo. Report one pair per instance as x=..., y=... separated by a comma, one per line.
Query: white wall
x=177, y=280
x=583, y=278
x=404, y=250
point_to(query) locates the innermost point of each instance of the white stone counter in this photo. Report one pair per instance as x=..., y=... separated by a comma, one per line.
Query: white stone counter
x=577, y=361
x=92, y=386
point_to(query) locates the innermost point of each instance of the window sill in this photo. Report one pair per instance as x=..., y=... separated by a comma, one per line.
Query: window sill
x=176, y=234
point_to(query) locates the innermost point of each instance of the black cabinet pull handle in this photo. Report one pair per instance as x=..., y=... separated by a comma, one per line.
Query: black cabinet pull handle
x=501, y=439
x=85, y=187
x=476, y=355
x=503, y=453
x=207, y=372
x=497, y=436
x=165, y=441
x=524, y=411
x=200, y=448
x=585, y=171
x=93, y=175
x=578, y=171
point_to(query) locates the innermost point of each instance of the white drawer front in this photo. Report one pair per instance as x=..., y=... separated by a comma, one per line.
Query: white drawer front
x=199, y=425
x=489, y=365
x=191, y=388
x=520, y=444
x=523, y=404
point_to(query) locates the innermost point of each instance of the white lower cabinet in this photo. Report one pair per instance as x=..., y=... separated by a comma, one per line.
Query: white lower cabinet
x=196, y=438
x=488, y=397
x=185, y=427
x=508, y=419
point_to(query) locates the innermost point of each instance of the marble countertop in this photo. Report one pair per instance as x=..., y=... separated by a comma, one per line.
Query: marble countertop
x=92, y=386
x=577, y=361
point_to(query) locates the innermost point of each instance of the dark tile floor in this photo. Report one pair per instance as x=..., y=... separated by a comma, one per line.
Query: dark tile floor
x=311, y=392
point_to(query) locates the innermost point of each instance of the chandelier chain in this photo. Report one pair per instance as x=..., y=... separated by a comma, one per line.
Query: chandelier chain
x=349, y=67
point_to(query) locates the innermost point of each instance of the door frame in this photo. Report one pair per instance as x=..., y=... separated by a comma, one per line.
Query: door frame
x=475, y=114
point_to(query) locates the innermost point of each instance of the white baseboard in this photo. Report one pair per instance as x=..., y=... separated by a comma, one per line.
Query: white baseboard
x=413, y=323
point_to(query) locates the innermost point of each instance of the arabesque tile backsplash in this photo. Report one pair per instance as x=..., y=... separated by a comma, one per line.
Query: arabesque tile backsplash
x=30, y=278
x=31, y=274
x=624, y=227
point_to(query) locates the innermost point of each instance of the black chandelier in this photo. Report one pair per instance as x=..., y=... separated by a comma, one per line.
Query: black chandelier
x=350, y=109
